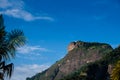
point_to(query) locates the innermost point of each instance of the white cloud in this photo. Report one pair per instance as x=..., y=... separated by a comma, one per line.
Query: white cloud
x=4, y=4
x=33, y=52
x=24, y=71
x=16, y=9
x=31, y=49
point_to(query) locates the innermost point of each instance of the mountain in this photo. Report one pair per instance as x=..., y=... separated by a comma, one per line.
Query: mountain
x=79, y=55
x=98, y=70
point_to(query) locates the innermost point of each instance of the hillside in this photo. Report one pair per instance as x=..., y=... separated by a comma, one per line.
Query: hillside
x=79, y=54
x=98, y=70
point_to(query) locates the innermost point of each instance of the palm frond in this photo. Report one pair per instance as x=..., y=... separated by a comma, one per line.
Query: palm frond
x=1, y=76
x=15, y=39
x=3, y=48
x=6, y=69
x=1, y=21
x=2, y=33
x=4, y=54
x=8, y=45
x=2, y=28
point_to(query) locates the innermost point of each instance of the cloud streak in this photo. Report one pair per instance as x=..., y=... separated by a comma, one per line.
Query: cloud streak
x=24, y=71
x=31, y=49
x=16, y=9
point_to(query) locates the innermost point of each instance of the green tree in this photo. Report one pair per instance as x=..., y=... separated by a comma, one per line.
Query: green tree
x=116, y=72
x=9, y=42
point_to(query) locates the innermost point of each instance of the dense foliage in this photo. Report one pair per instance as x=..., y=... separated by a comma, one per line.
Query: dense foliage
x=116, y=72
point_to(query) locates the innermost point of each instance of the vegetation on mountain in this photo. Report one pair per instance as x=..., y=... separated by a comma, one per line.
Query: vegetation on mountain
x=9, y=42
x=85, y=61
x=98, y=70
x=116, y=72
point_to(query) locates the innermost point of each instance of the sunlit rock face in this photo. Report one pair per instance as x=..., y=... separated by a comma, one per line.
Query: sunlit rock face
x=71, y=46
x=76, y=44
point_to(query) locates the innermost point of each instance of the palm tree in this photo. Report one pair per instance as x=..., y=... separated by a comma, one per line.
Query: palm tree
x=116, y=72
x=9, y=42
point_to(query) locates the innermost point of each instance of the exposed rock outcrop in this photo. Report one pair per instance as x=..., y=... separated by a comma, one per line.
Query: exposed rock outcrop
x=79, y=53
x=71, y=46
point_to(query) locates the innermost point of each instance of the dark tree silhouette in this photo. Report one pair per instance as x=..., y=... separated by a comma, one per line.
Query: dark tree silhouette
x=9, y=42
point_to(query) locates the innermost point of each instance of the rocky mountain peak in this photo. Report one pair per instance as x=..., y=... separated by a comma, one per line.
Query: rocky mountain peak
x=79, y=54
x=75, y=44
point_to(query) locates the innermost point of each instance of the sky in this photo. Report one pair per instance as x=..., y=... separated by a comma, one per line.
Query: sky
x=50, y=25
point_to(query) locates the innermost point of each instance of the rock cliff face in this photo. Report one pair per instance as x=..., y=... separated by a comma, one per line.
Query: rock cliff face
x=79, y=54
x=71, y=46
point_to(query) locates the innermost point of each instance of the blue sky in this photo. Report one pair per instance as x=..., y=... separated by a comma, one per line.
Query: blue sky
x=50, y=25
